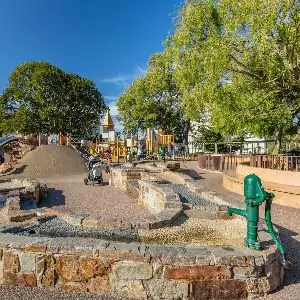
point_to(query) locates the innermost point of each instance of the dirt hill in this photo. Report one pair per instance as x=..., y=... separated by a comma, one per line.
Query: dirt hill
x=50, y=161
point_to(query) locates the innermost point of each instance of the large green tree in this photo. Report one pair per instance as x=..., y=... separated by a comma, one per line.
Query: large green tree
x=49, y=100
x=154, y=100
x=238, y=60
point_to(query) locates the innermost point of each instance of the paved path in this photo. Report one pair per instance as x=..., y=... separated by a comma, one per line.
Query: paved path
x=286, y=219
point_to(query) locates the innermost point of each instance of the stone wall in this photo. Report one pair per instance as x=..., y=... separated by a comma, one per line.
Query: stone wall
x=136, y=271
x=19, y=194
x=119, y=177
x=158, y=198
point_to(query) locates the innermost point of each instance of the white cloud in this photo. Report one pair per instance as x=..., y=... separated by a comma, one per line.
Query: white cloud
x=113, y=109
x=122, y=80
x=119, y=80
x=141, y=70
x=110, y=98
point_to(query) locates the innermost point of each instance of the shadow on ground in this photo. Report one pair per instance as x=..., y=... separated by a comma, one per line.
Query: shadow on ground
x=55, y=198
x=19, y=170
x=292, y=247
x=191, y=173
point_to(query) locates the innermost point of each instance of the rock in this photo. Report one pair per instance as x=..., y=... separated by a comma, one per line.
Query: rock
x=39, y=248
x=27, y=279
x=45, y=270
x=132, y=270
x=128, y=289
x=68, y=268
x=91, y=267
x=168, y=289
x=27, y=262
x=220, y=289
x=11, y=262
x=197, y=272
x=1, y=272
x=74, y=286
x=99, y=285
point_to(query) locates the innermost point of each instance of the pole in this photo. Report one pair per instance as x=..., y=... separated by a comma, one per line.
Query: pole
x=118, y=158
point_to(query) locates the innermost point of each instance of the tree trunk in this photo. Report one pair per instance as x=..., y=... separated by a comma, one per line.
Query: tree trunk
x=278, y=143
x=186, y=130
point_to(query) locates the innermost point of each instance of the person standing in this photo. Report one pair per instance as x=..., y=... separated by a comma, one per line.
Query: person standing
x=108, y=155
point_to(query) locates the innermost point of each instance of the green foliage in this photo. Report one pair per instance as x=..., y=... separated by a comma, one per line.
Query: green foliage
x=153, y=100
x=50, y=100
x=239, y=60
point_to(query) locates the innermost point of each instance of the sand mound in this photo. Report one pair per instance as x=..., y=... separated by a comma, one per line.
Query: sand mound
x=49, y=161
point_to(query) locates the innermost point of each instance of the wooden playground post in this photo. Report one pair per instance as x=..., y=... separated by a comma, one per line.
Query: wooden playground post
x=118, y=149
x=60, y=138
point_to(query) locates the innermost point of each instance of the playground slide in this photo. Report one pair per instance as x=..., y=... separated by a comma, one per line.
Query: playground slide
x=8, y=138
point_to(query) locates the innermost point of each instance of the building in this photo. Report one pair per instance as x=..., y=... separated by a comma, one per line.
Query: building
x=107, y=129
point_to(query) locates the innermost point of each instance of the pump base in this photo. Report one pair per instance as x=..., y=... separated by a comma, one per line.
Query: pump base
x=253, y=246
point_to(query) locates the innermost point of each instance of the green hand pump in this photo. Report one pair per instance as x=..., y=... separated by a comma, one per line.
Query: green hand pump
x=255, y=195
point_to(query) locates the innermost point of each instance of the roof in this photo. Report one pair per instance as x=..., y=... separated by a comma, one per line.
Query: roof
x=108, y=122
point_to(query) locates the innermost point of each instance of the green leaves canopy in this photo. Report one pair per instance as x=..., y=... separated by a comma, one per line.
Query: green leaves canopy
x=153, y=100
x=50, y=100
x=239, y=60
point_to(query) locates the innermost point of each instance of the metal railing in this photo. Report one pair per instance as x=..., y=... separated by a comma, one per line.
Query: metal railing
x=221, y=162
x=276, y=162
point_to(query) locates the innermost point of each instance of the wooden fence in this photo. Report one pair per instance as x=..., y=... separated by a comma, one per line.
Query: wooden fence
x=221, y=162
x=276, y=162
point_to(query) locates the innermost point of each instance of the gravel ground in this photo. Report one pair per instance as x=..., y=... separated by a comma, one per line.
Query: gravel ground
x=58, y=228
x=22, y=293
x=97, y=201
x=187, y=196
x=190, y=231
x=198, y=232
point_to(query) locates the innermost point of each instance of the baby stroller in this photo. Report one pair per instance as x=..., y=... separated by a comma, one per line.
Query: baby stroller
x=95, y=172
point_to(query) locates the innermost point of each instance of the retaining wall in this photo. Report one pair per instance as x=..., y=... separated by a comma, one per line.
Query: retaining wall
x=287, y=195
x=137, y=271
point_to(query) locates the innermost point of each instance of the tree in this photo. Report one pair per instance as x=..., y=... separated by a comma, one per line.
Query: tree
x=239, y=60
x=153, y=100
x=50, y=100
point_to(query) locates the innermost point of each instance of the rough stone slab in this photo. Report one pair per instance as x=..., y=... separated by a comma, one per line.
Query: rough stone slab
x=197, y=272
x=129, y=270
x=27, y=280
x=128, y=289
x=140, y=223
x=1, y=272
x=27, y=262
x=229, y=289
x=168, y=289
x=73, y=220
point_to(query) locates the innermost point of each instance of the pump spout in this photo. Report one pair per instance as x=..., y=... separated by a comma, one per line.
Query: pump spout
x=237, y=211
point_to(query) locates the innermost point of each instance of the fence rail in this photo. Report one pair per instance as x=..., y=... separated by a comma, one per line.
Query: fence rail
x=276, y=162
x=221, y=162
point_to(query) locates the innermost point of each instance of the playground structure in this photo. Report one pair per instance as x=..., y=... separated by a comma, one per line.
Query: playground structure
x=105, y=254
x=155, y=139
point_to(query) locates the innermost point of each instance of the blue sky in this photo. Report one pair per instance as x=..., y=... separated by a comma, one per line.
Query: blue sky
x=107, y=41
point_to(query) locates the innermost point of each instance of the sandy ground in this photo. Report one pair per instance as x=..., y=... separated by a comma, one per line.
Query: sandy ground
x=71, y=194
